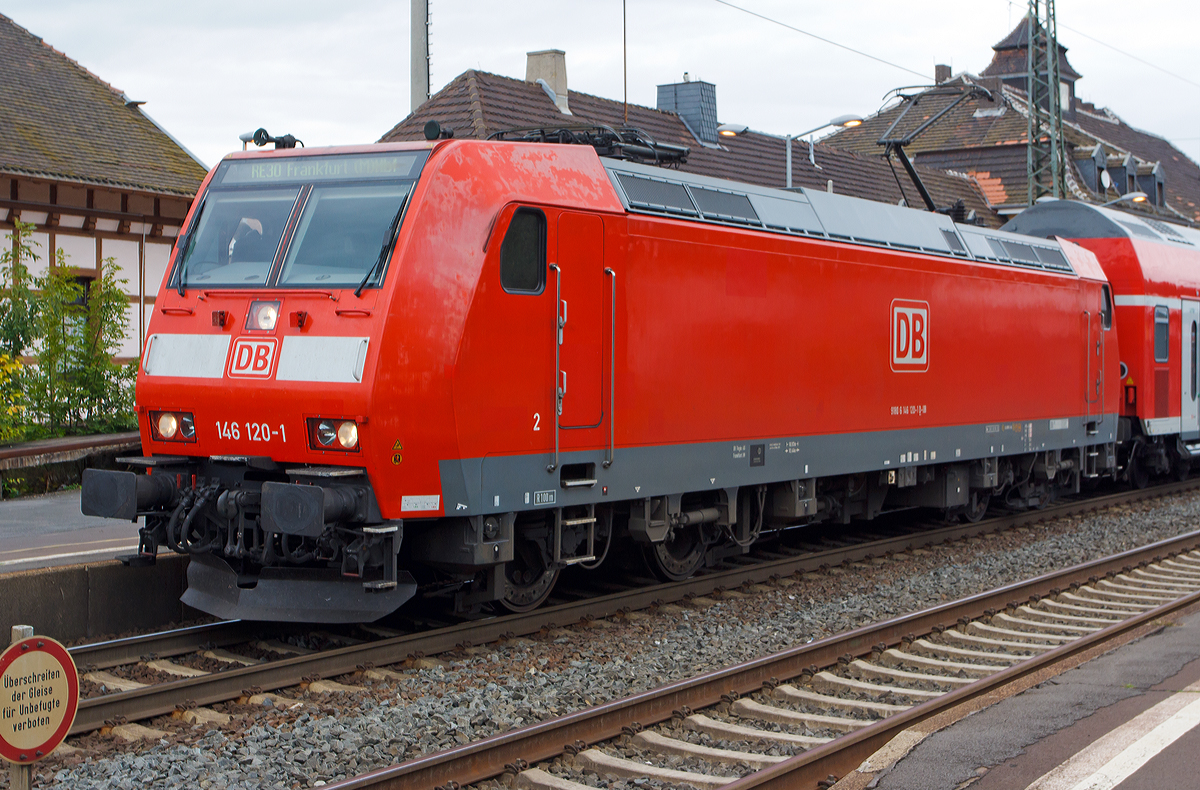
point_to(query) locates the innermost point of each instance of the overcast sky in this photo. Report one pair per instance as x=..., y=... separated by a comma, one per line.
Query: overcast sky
x=337, y=73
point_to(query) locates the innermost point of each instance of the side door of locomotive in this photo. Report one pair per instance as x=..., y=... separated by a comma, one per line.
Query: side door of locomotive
x=583, y=300
x=1190, y=371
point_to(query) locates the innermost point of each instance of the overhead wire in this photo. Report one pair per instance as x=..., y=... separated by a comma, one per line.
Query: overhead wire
x=831, y=42
x=1143, y=61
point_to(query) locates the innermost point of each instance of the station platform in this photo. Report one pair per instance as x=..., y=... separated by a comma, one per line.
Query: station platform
x=1126, y=720
x=46, y=531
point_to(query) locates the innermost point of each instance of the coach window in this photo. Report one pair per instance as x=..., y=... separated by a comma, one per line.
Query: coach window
x=1106, y=308
x=523, y=253
x=1161, y=334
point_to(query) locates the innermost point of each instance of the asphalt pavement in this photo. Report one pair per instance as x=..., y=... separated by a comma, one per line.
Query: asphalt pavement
x=40, y=531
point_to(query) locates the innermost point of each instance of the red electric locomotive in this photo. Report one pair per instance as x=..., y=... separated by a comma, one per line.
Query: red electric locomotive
x=1154, y=268
x=467, y=365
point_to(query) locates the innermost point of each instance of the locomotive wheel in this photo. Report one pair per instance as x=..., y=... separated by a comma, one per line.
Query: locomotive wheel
x=528, y=578
x=527, y=596
x=679, y=556
x=977, y=507
x=1139, y=473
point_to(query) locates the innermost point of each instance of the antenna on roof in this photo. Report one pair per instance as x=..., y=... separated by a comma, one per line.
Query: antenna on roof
x=261, y=137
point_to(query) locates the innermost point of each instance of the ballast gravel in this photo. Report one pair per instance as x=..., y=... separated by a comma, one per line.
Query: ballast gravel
x=511, y=684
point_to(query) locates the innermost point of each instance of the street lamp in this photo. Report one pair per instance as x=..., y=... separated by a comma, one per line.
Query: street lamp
x=1132, y=197
x=843, y=121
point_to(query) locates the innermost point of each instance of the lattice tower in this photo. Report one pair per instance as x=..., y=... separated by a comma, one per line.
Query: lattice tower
x=1045, y=159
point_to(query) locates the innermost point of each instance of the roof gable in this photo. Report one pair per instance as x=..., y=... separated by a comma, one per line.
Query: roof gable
x=1012, y=55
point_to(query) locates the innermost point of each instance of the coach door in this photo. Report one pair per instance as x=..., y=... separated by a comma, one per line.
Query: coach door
x=581, y=314
x=1190, y=370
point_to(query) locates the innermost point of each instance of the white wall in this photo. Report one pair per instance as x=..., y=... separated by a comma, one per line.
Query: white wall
x=157, y=257
x=80, y=251
x=129, y=347
x=41, y=245
x=125, y=254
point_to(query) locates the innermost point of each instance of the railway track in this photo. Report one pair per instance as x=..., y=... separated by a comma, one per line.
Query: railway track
x=202, y=665
x=806, y=716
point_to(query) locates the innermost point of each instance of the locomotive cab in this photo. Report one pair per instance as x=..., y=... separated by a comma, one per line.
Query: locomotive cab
x=257, y=384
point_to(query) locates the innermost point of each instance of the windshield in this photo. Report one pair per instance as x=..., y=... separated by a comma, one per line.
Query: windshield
x=298, y=221
x=342, y=233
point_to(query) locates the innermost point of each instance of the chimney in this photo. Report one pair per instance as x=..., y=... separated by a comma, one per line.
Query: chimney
x=695, y=101
x=941, y=73
x=548, y=68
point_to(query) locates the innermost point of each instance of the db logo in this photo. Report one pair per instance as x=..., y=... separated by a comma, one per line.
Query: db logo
x=910, y=336
x=252, y=356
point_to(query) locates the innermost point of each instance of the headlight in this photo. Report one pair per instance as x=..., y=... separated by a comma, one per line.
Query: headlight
x=172, y=426
x=347, y=435
x=262, y=316
x=168, y=425
x=327, y=434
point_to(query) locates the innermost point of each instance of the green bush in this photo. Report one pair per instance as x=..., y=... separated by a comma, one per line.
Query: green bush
x=73, y=331
x=12, y=407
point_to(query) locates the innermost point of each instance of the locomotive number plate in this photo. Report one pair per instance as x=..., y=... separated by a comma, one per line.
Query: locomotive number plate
x=253, y=431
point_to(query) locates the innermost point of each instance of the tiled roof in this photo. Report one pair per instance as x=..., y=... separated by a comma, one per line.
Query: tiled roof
x=973, y=123
x=60, y=121
x=976, y=138
x=476, y=104
x=1182, y=174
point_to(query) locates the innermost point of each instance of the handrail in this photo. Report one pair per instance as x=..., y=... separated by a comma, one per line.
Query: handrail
x=612, y=370
x=560, y=320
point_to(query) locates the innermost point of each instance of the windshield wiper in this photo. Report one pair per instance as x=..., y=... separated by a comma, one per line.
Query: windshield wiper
x=388, y=241
x=185, y=248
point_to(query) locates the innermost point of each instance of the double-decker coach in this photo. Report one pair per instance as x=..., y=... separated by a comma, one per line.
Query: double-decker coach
x=1154, y=268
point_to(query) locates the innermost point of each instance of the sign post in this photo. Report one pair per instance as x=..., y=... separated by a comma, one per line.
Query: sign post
x=39, y=696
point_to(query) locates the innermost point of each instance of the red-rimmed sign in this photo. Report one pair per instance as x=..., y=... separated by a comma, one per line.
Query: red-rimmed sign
x=39, y=695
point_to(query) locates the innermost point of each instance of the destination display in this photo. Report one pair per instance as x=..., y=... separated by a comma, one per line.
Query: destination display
x=310, y=169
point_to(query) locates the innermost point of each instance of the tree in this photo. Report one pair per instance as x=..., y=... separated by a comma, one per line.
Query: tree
x=74, y=327
x=17, y=328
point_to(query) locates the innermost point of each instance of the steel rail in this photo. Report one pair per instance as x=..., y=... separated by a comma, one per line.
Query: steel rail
x=490, y=757
x=163, y=698
x=162, y=644
x=842, y=755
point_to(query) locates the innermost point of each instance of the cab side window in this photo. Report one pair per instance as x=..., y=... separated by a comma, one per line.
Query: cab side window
x=1162, y=333
x=1106, y=308
x=523, y=253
